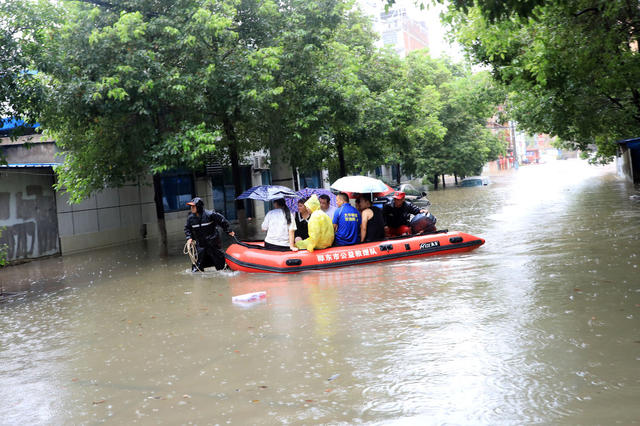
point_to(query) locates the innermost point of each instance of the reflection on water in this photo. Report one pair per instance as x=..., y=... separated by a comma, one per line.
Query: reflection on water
x=538, y=325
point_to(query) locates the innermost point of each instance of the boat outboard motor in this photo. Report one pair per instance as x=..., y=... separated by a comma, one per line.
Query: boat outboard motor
x=423, y=224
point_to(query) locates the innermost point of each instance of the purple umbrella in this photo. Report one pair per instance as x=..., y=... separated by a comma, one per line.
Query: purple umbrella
x=308, y=192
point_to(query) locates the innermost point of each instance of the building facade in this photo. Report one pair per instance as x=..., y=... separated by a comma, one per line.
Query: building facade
x=36, y=220
x=401, y=32
x=628, y=159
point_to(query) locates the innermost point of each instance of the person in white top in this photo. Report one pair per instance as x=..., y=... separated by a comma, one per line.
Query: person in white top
x=325, y=205
x=280, y=228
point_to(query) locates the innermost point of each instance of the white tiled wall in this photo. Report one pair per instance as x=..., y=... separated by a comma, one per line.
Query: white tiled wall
x=118, y=215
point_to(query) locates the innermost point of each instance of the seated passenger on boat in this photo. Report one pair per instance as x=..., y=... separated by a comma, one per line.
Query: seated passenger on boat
x=397, y=215
x=372, y=226
x=280, y=228
x=302, y=220
x=320, y=227
x=325, y=205
x=346, y=222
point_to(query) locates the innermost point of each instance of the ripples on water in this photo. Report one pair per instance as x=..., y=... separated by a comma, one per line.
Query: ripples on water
x=537, y=326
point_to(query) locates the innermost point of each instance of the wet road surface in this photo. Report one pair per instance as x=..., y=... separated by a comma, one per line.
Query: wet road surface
x=539, y=325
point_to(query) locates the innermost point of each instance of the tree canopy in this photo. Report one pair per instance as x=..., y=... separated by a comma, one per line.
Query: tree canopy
x=20, y=93
x=138, y=87
x=131, y=87
x=570, y=67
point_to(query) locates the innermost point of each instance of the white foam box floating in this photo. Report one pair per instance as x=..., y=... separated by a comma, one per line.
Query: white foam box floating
x=250, y=297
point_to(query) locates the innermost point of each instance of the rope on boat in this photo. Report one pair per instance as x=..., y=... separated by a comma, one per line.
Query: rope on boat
x=251, y=246
x=190, y=249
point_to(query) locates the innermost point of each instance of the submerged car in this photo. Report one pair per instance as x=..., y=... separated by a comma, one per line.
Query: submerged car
x=475, y=181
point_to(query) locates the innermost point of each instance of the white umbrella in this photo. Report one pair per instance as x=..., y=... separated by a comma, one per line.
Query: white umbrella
x=361, y=184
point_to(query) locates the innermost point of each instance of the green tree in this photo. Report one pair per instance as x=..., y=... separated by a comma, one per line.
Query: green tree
x=571, y=68
x=470, y=100
x=20, y=92
x=138, y=87
x=414, y=106
x=349, y=109
x=328, y=114
x=236, y=59
x=290, y=123
x=134, y=87
x=440, y=110
x=120, y=101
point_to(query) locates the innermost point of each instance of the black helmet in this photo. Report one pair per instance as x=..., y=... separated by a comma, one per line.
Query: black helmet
x=197, y=201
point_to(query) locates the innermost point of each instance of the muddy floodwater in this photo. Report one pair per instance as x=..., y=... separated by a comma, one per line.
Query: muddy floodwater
x=539, y=325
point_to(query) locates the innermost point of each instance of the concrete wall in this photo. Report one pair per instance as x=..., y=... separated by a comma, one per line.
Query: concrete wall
x=281, y=172
x=28, y=213
x=204, y=191
x=109, y=217
x=40, y=221
x=28, y=149
x=624, y=165
x=119, y=215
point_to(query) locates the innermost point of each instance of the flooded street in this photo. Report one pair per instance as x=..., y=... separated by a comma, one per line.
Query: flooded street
x=539, y=325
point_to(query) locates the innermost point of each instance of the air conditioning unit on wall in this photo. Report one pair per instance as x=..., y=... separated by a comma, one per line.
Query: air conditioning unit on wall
x=260, y=162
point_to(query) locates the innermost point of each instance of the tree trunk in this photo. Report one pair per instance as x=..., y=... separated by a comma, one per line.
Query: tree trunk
x=455, y=176
x=398, y=176
x=157, y=194
x=435, y=182
x=341, y=162
x=443, y=184
x=157, y=197
x=235, y=174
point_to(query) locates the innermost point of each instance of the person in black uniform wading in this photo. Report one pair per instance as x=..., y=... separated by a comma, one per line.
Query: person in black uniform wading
x=202, y=226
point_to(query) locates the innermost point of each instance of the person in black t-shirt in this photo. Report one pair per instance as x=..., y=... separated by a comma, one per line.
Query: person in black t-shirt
x=372, y=225
x=302, y=220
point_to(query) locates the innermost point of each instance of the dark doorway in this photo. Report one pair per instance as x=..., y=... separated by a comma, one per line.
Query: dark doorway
x=224, y=192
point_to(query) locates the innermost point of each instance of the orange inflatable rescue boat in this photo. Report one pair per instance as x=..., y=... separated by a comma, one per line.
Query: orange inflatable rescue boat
x=253, y=257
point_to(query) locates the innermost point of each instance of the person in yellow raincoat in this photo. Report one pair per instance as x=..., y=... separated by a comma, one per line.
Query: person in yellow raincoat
x=320, y=227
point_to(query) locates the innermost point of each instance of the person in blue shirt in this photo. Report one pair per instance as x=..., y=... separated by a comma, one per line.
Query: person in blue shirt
x=346, y=222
